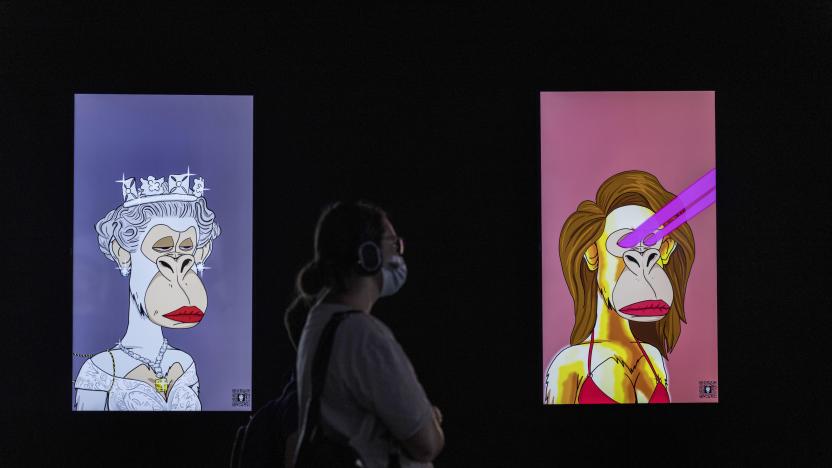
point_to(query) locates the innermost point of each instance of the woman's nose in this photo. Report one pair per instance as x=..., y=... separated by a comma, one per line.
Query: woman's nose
x=641, y=263
x=174, y=267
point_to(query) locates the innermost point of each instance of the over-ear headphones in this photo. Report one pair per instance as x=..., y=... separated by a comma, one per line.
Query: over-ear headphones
x=370, y=258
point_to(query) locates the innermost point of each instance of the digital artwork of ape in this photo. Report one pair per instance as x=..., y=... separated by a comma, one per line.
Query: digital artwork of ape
x=162, y=253
x=628, y=201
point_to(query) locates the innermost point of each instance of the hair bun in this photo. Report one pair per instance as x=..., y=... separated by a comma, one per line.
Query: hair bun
x=311, y=279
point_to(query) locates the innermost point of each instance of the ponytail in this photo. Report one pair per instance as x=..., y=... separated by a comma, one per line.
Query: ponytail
x=310, y=283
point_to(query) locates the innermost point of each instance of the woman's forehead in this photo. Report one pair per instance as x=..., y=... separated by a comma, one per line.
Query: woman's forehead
x=176, y=224
x=627, y=217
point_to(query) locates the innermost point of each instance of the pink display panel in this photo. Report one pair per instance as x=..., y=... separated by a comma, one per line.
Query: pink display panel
x=629, y=295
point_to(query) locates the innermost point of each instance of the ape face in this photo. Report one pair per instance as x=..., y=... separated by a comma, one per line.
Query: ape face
x=632, y=281
x=163, y=282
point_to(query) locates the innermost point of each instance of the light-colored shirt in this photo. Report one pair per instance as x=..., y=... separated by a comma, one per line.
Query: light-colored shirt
x=371, y=395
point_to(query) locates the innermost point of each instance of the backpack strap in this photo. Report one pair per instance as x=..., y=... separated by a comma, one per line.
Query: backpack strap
x=320, y=366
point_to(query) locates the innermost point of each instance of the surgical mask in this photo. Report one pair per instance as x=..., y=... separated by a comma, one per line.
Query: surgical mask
x=393, y=276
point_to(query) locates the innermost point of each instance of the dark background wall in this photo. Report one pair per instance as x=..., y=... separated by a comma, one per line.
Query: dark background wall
x=432, y=112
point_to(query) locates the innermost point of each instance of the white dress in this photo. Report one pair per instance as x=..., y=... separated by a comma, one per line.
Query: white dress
x=134, y=395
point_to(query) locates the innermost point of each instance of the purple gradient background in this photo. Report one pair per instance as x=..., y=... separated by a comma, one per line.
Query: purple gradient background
x=142, y=135
x=587, y=137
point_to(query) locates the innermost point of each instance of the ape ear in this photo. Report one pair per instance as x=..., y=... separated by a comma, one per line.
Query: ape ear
x=667, y=248
x=202, y=253
x=121, y=254
x=591, y=257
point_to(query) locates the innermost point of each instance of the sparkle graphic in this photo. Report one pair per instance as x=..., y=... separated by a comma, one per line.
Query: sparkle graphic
x=200, y=268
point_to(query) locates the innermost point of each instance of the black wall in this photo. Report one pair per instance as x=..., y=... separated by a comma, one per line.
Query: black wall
x=432, y=112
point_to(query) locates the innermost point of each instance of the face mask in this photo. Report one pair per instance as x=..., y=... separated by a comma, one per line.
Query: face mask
x=393, y=276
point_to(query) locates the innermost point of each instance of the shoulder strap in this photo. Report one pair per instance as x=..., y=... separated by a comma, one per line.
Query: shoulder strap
x=112, y=358
x=320, y=365
x=589, y=360
x=648, y=361
x=112, y=381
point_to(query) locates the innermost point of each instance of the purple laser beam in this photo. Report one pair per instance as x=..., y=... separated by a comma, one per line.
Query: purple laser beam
x=685, y=206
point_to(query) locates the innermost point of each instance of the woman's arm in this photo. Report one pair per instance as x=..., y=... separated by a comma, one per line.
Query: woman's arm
x=565, y=391
x=428, y=441
x=562, y=379
x=90, y=400
x=382, y=380
x=93, y=383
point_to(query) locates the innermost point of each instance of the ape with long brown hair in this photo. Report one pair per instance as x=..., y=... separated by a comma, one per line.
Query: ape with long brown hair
x=628, y=302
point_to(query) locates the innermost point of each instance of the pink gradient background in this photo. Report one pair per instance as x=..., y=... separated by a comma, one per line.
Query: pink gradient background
x=586, y=137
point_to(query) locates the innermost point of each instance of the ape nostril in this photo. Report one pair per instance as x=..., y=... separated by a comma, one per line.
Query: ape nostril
x=166, y=265
x=185, y=265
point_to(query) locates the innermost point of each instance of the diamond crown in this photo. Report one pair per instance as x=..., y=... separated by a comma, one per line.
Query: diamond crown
x=177, y=187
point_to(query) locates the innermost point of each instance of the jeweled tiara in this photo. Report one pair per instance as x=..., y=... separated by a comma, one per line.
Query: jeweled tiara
x=177, y=187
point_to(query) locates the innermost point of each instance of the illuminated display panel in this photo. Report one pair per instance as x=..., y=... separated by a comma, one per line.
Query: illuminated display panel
x=628, y=322
x=162, y=253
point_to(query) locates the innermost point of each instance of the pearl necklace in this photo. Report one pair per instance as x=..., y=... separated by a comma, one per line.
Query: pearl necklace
x=161, y=381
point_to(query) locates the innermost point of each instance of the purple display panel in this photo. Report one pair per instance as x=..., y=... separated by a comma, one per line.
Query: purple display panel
x=621, y=143
x=199, y=150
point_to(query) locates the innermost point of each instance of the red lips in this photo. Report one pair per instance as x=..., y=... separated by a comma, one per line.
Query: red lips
x=646, y=308
x=186, y=314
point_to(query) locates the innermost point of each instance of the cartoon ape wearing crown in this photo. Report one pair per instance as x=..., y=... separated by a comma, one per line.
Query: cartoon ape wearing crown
x=160, y=236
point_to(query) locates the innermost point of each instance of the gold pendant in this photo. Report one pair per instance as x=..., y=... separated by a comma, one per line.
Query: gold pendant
x=162, y=385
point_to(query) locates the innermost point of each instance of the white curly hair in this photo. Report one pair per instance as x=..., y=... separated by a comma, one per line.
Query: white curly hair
x=125, y=225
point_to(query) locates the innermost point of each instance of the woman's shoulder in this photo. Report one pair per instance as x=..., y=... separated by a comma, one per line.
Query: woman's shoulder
x=96, y=373
x=570, y=355
x=101, y=362
x=565, y=365
x=183, y=358
x=363, y=332
x=365, y=324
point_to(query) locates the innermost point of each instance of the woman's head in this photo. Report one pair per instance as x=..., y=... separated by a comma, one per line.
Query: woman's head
x=341, y=231
x=593, y=266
